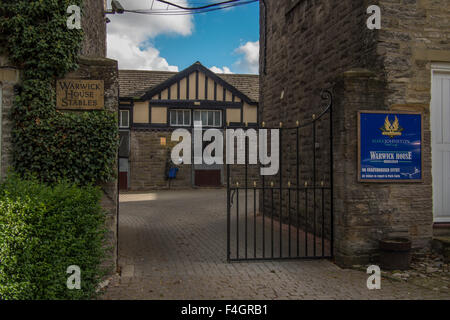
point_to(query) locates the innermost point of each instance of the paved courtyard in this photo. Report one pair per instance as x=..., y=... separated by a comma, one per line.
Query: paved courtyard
x=172, y=245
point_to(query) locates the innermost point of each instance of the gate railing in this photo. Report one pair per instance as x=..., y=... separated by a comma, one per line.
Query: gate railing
x=286, y=219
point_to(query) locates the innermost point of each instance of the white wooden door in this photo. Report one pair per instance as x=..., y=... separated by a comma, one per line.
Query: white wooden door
x=440, y=141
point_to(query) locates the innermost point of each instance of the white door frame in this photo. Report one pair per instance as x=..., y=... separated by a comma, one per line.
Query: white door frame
x=437, y=68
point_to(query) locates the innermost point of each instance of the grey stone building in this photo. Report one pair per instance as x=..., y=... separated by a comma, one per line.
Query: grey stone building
x=404, y=66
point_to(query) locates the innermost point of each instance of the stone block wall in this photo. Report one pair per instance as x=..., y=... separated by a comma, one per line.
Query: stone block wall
x=414, y=34
x=94, y=26
x=148, y=160
x=307, y=45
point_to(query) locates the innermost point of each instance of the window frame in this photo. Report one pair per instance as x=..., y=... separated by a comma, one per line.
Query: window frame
x=177, y=111
x=214, y=111
x=121, y=126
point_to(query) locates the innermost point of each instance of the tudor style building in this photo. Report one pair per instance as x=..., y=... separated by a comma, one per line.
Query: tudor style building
x=153, y=104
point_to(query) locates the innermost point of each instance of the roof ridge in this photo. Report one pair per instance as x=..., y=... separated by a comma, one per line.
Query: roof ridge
x=131, y=70
x=238, y=74
x=135, y=83
x=173, y=72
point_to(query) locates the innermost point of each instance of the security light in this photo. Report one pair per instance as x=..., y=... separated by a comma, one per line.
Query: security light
x=117, y=7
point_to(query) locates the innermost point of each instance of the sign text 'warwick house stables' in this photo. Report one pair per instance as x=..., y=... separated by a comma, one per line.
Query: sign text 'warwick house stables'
x=80, y=94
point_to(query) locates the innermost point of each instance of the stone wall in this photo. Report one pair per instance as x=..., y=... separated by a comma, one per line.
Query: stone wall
x=307, y=47
x=94, y=26
x=414, y=34
x=322, y=44
x=148, y=160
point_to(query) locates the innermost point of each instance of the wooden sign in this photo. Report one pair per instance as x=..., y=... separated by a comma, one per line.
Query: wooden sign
x=75, y=94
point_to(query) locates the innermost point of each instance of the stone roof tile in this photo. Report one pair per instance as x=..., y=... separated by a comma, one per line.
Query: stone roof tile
x=135, y=83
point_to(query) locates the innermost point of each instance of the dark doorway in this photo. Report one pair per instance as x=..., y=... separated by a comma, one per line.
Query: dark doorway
x=123, y=180
x=208, y=178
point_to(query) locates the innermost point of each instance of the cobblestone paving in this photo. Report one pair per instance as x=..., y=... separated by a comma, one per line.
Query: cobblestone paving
x=173, y=246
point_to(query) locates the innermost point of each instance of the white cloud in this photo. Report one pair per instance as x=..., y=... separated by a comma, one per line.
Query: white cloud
x=221, y=70
x=250, y=61
x=129, y=56
x=129, y=35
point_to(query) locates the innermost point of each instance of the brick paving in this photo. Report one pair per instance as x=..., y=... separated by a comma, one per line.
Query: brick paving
x=172, y=245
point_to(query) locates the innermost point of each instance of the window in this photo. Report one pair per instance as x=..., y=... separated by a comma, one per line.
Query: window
x=180, y=118
x=208, y=118
x=124, y=119
x=124, y=146
x=123, y=165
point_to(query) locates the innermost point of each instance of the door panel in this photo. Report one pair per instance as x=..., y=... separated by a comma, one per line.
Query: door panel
x=123, y=173
x=123, y=180
x=440, y=140
x=208, y=178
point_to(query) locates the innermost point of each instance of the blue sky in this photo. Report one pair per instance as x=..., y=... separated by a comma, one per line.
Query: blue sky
x=224, y=40
x=215, y=38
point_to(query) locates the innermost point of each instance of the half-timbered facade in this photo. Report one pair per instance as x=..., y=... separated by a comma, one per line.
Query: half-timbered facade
x=153, y=104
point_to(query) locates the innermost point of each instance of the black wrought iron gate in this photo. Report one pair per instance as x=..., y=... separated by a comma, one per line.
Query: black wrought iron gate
x=290, y=215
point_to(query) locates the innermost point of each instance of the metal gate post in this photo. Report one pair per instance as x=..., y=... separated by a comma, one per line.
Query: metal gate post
x=228, y=215
x=331, y=177
x=281, y=188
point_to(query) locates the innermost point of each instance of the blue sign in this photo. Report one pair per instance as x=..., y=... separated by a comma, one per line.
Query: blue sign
x=390, y=147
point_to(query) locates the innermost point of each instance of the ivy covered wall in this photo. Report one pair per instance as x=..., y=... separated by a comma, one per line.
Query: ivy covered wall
x=79, y=146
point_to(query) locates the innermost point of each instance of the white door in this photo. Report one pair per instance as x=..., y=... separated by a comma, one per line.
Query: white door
x=440, y=142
